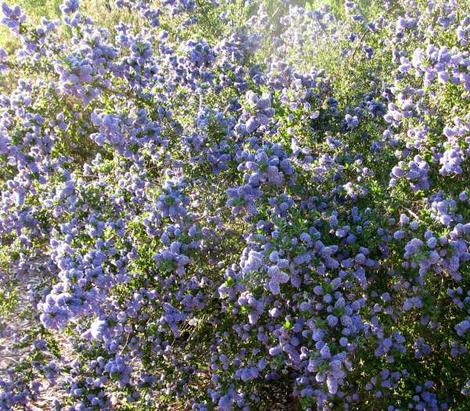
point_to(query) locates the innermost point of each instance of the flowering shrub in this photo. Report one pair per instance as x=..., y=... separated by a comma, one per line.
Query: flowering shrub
x=234, y=205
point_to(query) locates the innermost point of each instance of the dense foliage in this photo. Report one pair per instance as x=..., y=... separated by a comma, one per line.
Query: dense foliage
x=237, y=205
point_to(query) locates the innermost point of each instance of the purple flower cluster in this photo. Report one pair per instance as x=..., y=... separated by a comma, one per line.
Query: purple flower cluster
x=13, y=17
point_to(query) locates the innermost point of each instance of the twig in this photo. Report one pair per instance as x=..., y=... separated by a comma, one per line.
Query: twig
x=413, y=214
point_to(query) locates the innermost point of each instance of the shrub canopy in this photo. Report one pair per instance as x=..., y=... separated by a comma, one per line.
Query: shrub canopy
x=236, y=205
